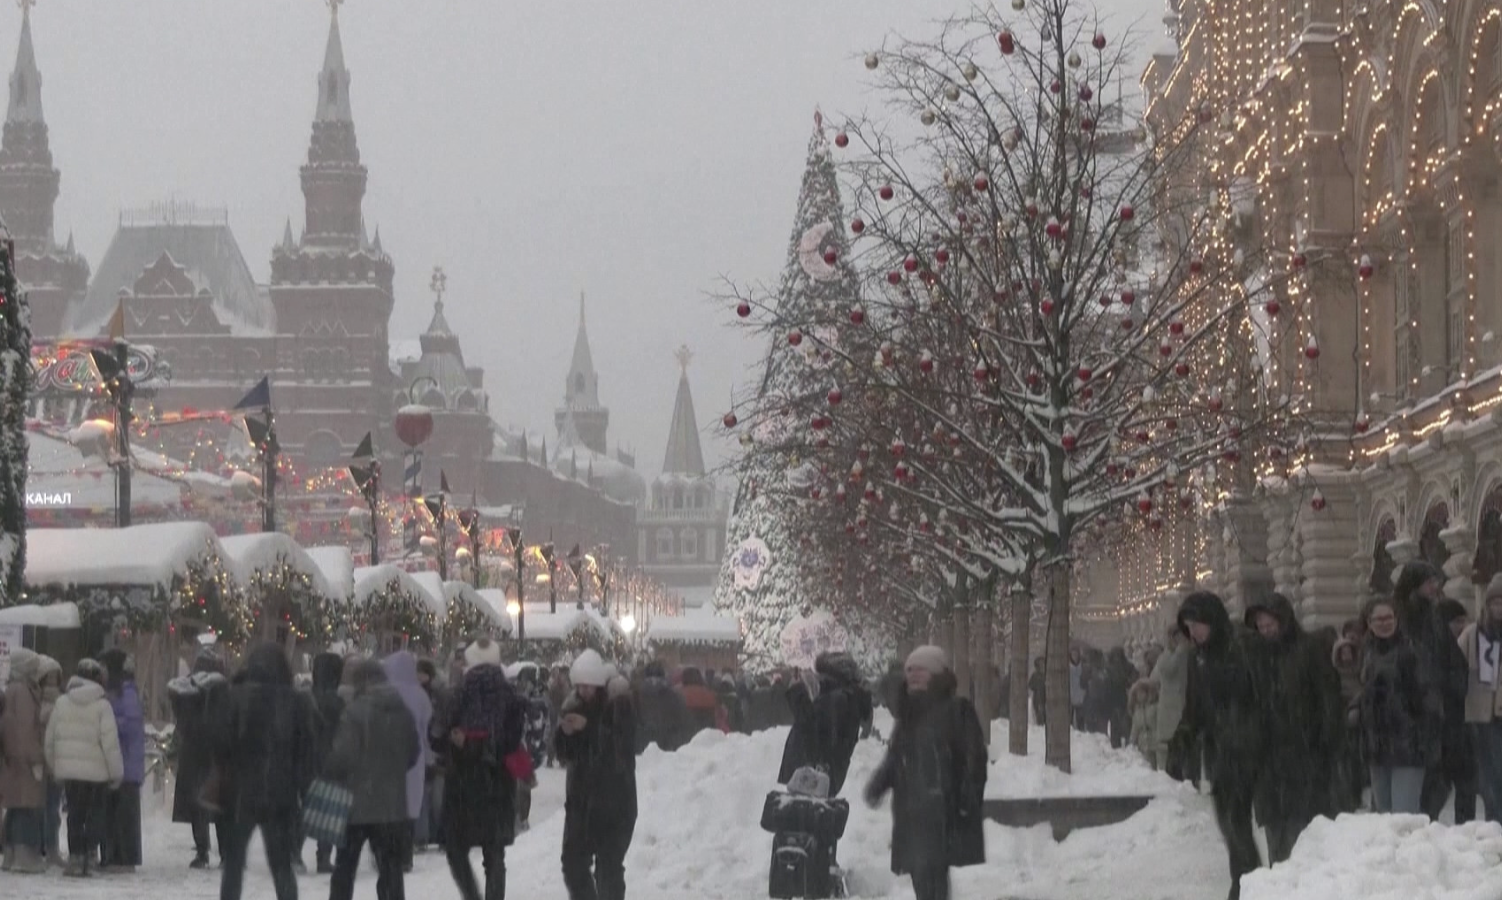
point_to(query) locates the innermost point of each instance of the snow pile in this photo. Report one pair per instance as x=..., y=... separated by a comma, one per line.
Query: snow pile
x=372, y=580
x=1099, y=771
x=432, y=592
x=1386, y=857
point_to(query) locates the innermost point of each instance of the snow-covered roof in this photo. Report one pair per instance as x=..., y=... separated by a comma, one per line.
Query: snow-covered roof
x=547, y=626
x=371, y=580
x=264, y=551
x=433, y=592
x=338, y=568
x=490, y=602
x=55, y=467
x=694, y=629
x=55, y=615
x=141, y=554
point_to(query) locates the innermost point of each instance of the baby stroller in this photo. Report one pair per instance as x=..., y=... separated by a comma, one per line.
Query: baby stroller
x=805, y=825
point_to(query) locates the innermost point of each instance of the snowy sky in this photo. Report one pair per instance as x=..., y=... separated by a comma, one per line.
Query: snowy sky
x=633, y=150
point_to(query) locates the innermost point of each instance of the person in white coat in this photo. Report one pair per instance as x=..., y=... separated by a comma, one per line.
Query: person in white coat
x=83, y=752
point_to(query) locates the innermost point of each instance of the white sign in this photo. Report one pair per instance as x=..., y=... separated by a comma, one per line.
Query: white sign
x=10, y=641
x=49, y=498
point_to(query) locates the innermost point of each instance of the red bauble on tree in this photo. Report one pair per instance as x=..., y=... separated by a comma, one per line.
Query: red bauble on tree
x=743, y=309
x=1364, y=267
x=857, y=315
x=857, y=225
x=795, y=337
x=1311, y=348
x=1127, y=213
x=885, y=192
x=1128, y=296
x=1317, y=502
x=831, y=256
x=982, y=183
x=1273, y=307
x=910, y=264
x=1046, y=306
x=730, y=420
x=842, y=140
x=1006, y=42
x=835, y=396
x=894, y=278
x=1144, y=503
x=1099, y=41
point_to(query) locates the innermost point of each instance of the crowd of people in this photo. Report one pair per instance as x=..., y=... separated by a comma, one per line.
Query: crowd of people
x=1399, y=711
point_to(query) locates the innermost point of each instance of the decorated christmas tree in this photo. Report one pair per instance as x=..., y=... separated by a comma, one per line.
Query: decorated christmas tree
x=761, y=583
x=15, y=383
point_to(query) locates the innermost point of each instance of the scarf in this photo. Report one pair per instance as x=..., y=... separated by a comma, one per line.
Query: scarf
x=1487, y=650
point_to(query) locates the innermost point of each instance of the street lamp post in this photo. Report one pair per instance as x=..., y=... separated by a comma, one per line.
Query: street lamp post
x=438, y=508
x=469, y=520
x=114, y=370
x=519, y=551
x=548, y=557
x=365, y=469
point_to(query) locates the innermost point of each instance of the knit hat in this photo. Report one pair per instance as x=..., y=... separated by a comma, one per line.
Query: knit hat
x=590, y=669
x=929, y=657
x=483, y=652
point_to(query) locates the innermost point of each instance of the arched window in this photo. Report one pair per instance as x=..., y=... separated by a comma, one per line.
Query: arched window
x=664, y=543
x=688, y=544
x=1431, y=545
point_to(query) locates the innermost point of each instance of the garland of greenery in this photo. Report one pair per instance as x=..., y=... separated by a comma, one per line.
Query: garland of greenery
x=392, y=610
x=308, y=613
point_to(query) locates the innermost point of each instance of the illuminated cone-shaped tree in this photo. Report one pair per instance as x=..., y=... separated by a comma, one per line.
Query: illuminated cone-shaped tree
x=1087, y=344
x=15, y=384
x=761, y=582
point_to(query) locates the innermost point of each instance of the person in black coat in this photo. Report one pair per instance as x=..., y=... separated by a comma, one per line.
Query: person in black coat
x=1302, y=723
x=1419, y=588
x=1400, y=712
x=484, y=726
x=328, y=671
x=375, y=743
x=265, y=745
x=192, y=699
x=935, y=768
x=1221, y=711
x=662, y=717
x=828, y=710
x=1114, y=680
x=596, y=742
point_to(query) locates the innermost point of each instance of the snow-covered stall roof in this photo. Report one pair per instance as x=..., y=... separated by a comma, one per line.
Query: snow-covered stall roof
x=433, y=592
x=264, y=551
x=57, y=615
x=57, y=469
x=550, y=626
x=338, y=567
x=138, y=555
x=493, y=608
x=371, y=580
x=694, y=629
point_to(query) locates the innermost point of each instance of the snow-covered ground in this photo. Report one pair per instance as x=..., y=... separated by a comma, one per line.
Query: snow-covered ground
x=698, y=837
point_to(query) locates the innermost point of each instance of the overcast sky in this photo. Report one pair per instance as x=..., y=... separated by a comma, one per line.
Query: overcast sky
x=637, y=151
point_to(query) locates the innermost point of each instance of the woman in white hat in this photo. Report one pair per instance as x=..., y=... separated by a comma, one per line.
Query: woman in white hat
x=596, y=740
x=935, y=768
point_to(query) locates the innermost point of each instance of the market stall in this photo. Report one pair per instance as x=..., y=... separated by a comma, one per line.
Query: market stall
x=702, y=640
x=285, y=589
x=553, y=638
x=52, y=630
x=471, y=613
x=390, y=610
x=149, y=589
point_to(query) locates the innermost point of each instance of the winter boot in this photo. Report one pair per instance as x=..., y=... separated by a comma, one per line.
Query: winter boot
x=200, y=860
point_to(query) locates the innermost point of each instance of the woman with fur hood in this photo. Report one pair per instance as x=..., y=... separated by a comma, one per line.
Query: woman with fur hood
x=596, y=740
x=935, y=769
x=192, y=697
x=23, y=781
x=82, y=747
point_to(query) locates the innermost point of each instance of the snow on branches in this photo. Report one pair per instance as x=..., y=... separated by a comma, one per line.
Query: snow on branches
x=1035, y=331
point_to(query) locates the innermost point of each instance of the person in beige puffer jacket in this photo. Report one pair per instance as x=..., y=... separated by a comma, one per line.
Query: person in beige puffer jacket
x=83, y=752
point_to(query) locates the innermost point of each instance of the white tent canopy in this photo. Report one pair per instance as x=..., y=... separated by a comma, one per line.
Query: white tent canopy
x=371, y=580
x=549, y=626
x=433, y=592
x=57, y=615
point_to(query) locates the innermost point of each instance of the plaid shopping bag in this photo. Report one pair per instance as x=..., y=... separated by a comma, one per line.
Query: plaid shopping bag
x=325, y=812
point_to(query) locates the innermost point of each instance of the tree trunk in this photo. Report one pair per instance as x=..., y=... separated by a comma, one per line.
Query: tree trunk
x=959, y=649
x=980, y=666
x=1056, y=667
x=1021, y=613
